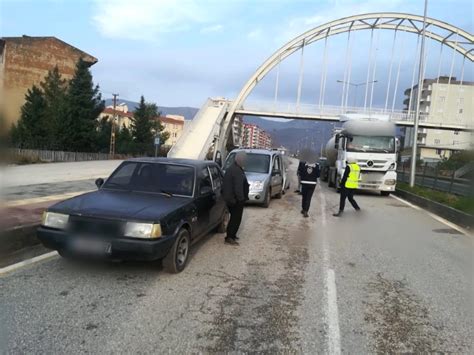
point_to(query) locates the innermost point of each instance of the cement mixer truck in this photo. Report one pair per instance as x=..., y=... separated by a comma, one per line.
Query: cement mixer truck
x=373, y=143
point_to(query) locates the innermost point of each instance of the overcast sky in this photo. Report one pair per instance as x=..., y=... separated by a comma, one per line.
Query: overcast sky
x=178, y=53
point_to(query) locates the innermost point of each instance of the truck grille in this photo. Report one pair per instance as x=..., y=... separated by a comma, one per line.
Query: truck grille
x=371, y=164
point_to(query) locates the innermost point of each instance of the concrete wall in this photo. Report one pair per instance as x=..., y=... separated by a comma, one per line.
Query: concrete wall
x=26, y=61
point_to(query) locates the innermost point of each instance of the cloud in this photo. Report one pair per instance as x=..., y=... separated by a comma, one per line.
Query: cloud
x=335, y=10
x=147, y=19
x=255, y=34
x=211, y=29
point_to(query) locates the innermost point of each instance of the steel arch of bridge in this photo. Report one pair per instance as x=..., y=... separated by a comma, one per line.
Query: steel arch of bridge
x=437, y=30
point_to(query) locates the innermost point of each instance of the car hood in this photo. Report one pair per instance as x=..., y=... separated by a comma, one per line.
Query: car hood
x=121, y=205
x=256, y=176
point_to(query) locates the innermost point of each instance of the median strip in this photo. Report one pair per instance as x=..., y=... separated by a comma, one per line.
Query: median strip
x=35, y=200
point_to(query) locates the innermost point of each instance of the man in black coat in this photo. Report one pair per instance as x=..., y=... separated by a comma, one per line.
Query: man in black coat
x=236, y=193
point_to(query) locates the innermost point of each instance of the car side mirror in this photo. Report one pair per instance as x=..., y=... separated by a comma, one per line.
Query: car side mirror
x=99, y=182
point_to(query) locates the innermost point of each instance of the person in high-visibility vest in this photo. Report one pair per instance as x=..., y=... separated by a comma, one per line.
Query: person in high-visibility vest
x=349, y=183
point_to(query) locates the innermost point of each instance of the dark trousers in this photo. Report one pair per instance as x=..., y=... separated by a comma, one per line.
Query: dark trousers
x=349, y=194
x=236, y=212
x=307, y=192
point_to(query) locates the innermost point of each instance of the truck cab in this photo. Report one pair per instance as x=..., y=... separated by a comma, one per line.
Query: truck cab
x=373, y=144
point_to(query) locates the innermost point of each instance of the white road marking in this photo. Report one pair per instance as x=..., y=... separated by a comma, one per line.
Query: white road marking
x=34, y=200
x=24, y=263
x=332, y=313
x=438, y=218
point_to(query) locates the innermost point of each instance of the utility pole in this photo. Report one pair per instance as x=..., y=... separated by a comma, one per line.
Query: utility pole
x=418, y=97
x=112, y=131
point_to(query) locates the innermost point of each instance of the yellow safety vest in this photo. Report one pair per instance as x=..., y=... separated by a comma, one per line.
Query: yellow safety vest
x=352, y=181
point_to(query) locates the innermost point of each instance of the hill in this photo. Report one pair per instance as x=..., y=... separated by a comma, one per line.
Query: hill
x=187, y=112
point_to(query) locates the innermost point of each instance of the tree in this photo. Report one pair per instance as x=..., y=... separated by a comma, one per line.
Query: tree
x=83, y=105
x=54, y=89
x=31, y=130
x=124, y=141
x=145, y=126
x=103, y=134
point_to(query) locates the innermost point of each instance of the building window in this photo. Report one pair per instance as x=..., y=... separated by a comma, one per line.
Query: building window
x=437, y=141
x=460, y=110
x=456, y=133
x=442, y=99
x=439, y=151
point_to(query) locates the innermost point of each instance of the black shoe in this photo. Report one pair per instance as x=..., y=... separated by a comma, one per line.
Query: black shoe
x=338, y=214
x=357, y=209
x=236, y=238
x=231, y=241
x=297, y=191
x=302, y=212
x=305, y=214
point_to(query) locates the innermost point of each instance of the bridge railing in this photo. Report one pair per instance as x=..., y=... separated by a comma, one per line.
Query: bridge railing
x=328, y=111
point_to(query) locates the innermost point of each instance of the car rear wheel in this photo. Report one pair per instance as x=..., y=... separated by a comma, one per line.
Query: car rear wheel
x=178, y=255
x=222, y=228
x=278, y=195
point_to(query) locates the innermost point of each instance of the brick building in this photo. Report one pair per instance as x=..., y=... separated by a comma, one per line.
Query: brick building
x=25, y=61
x=255, y=137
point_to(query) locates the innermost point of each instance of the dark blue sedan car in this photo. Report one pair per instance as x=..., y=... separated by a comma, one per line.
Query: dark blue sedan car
x=148, y=209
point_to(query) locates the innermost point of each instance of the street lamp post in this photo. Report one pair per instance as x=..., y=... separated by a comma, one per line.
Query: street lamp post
x=418, y=97
x=356, y=87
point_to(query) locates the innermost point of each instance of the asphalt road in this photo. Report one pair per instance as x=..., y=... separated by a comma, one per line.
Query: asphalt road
x=39, y=180
x=390, y=278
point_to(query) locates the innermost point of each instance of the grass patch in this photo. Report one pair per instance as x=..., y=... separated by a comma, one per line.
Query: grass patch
x=461, y=203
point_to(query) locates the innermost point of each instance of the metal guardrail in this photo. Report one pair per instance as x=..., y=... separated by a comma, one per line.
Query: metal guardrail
x=432, y=177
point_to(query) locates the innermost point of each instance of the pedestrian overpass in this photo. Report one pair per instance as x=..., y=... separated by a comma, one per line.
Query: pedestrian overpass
x=210, y=132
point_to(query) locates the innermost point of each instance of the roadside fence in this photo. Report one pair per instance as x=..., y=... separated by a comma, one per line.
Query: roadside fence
x=435, y=176
x=35, y=155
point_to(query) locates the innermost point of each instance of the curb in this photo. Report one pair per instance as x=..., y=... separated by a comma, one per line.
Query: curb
x=18, y=238
x=451, y=214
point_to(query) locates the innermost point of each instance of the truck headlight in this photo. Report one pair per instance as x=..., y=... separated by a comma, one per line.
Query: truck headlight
x=392, y=166
x=256, y=185
x=390, y=182
x=54, y=220
x=142, y=230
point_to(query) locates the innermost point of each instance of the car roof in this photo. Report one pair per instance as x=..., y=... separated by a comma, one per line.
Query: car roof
x=256, y=151
x=163, y=160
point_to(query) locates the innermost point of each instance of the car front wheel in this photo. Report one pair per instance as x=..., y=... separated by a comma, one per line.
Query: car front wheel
x=178, y=255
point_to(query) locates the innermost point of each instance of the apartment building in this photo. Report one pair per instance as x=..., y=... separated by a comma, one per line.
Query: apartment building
x=441, y=100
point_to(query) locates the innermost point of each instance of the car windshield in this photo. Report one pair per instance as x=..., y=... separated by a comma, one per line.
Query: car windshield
x=169, y=179
x=254, y=162
x=371, y=144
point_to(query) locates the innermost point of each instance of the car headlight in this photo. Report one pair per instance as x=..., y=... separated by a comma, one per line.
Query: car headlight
x=390, y=182
x=143, y=230
x=392, y=166
x=256, y=185
x=54, y=220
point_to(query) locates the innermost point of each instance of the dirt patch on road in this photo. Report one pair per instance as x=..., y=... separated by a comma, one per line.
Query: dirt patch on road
x=400, y=321
x=259, y=312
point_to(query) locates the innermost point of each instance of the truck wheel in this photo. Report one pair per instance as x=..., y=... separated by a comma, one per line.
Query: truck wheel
x=222, y=227
x=385, y=193
x=177, y=257
x=268, y=197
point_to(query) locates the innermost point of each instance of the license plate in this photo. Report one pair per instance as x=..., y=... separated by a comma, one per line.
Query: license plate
x=91, y=246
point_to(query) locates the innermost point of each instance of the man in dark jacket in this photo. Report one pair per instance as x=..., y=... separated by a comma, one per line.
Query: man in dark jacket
x=236, y=192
